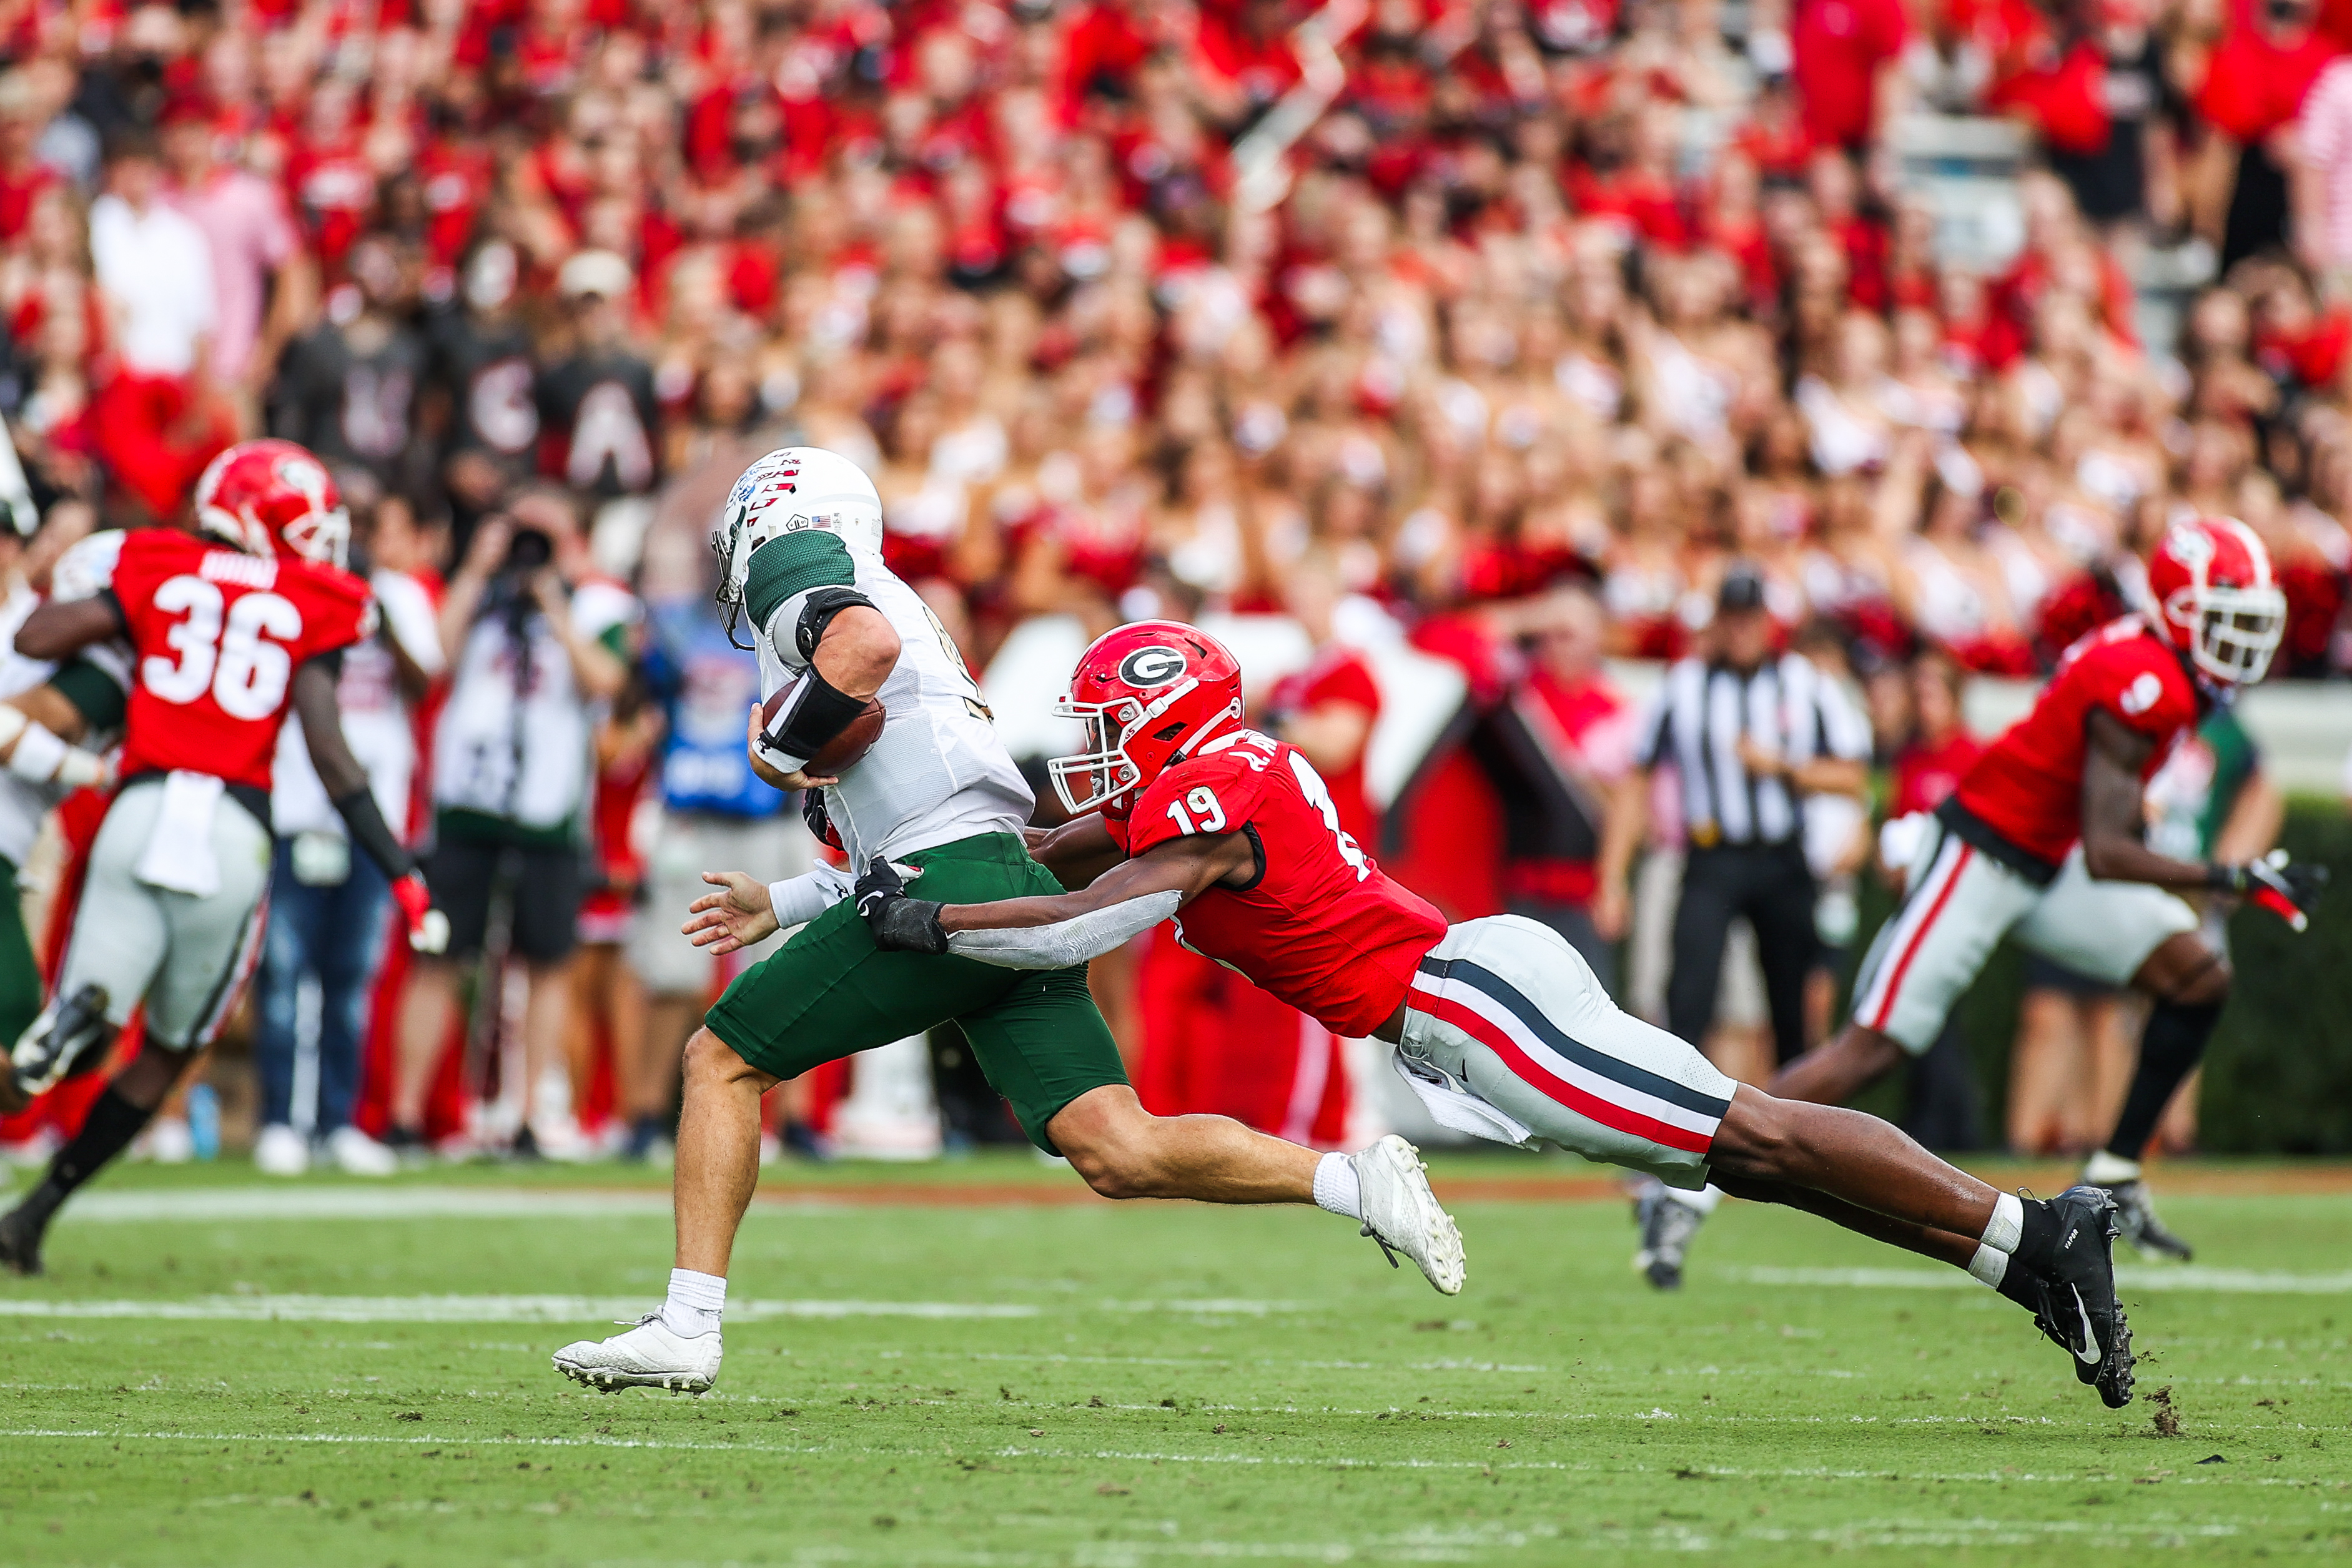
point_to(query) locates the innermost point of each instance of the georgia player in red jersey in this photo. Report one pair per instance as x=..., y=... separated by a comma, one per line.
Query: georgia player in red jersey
x=1499, y=1024
x=2041, y=842
x=231, y=626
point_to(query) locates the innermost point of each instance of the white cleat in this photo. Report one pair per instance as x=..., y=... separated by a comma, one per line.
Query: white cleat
x=649, y=1356
x=1404, y=1215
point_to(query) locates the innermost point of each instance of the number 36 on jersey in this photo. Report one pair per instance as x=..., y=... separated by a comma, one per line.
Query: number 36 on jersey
x=216, y=637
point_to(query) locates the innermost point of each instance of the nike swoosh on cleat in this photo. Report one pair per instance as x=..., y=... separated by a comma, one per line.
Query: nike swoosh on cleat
x=2090, y=1335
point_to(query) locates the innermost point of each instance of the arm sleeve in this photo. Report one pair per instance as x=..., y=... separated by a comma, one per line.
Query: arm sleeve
x=801, y=899
x=1066, y=942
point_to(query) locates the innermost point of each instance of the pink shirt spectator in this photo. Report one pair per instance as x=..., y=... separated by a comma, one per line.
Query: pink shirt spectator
x=244, y=218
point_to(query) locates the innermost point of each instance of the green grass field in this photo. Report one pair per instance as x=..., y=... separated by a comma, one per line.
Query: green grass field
x=211, y=1374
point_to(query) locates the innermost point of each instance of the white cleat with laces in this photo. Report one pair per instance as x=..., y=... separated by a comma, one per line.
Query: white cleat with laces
x=1404, y=1215
x=649, y=1356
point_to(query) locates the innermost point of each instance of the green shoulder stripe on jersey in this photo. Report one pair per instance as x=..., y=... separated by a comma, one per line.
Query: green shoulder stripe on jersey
x=794, y=563
x=94, y=693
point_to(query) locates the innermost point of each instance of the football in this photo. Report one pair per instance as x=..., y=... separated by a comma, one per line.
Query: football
x=840, y=753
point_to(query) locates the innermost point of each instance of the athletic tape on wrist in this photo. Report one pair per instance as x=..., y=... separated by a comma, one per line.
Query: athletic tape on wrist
x=38, y=755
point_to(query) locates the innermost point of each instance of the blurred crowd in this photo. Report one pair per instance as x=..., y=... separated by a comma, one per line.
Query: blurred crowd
x=1507, y=325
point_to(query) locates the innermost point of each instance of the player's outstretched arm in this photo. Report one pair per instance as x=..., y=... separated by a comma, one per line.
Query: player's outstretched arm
x=37, y=729
x=58, y=630
x=1052, y=933
x=2114, y=811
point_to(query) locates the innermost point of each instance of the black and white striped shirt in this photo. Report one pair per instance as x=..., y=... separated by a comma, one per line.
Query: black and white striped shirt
x=1784, y=706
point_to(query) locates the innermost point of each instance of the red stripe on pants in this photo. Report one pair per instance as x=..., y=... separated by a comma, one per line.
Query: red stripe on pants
x=1911, y=948
x=1617, y=1118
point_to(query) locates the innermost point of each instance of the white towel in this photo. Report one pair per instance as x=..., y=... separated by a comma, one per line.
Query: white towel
x=1451, y=1105
x=179, y=855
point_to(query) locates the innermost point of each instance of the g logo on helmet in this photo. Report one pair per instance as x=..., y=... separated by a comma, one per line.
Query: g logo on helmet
x=2191, y=546
x=1154, y=666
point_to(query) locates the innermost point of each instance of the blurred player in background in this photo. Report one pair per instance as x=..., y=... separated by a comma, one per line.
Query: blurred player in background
x=234, y=625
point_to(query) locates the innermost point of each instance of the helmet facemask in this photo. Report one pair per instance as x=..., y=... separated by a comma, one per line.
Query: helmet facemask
x=322, y=535
x=1104, y=770
x=2238, y=630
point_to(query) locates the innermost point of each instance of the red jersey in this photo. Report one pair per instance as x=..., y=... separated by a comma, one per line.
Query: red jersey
x=2028, y=785
x=217, y=636
x=1321, y=927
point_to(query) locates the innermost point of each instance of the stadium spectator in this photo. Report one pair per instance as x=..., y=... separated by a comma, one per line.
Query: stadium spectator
x=156, y=421
x=532, y=638
x=328, y=906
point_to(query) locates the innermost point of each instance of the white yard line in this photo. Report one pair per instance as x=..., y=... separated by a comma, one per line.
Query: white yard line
x=554, y=1309
x=312, y=1203
x=478, y=1309
x=2187, y=1277
x=1901, y=1477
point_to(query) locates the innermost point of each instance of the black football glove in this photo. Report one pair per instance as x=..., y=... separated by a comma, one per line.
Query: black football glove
x=899, y=923
x=819, y=821
x=2276, y=883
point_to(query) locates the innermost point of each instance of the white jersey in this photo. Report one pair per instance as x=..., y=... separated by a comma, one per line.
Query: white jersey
x=938, y=773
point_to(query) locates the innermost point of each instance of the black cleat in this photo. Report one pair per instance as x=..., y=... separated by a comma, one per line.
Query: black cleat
x=71, y=1036
x=20, y=1242
x=2136, y=1214
x=2080, y=1302
x=1667, y=1228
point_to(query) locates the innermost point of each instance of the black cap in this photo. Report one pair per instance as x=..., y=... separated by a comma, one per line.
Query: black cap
x=1743, y=588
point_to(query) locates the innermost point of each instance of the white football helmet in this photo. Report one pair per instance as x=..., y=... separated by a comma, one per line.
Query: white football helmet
x=790, y=490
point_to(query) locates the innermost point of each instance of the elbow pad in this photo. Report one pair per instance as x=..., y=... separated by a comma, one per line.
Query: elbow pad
x=1066, y=941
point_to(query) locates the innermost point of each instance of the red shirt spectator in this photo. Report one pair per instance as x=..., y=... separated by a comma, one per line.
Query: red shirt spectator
x=1839, y=47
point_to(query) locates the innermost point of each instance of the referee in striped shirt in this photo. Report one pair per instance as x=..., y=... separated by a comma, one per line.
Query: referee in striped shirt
x=1749, y=735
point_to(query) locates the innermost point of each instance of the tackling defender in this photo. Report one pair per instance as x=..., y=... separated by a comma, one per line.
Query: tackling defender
x=232, y=626
x=2043, y=841
x=1499, y=1024
x=802, y=541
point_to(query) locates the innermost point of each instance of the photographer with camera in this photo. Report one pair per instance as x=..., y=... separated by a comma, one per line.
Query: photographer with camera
x=534, y=639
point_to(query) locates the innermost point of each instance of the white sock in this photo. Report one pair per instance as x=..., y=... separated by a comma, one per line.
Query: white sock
x=1701, y=1202
x=694, y=1302
x=2006, y=1228
x=1336, y=1188
x=1991, y=1265
x=2103, y=1170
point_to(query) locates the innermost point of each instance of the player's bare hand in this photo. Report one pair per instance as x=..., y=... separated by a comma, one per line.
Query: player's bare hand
x=733, y=918
x=769, y=773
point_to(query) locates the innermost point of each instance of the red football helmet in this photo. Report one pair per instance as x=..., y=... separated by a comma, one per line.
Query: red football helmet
x=272, y=497
x=1148, y=694
x=2211, y=596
